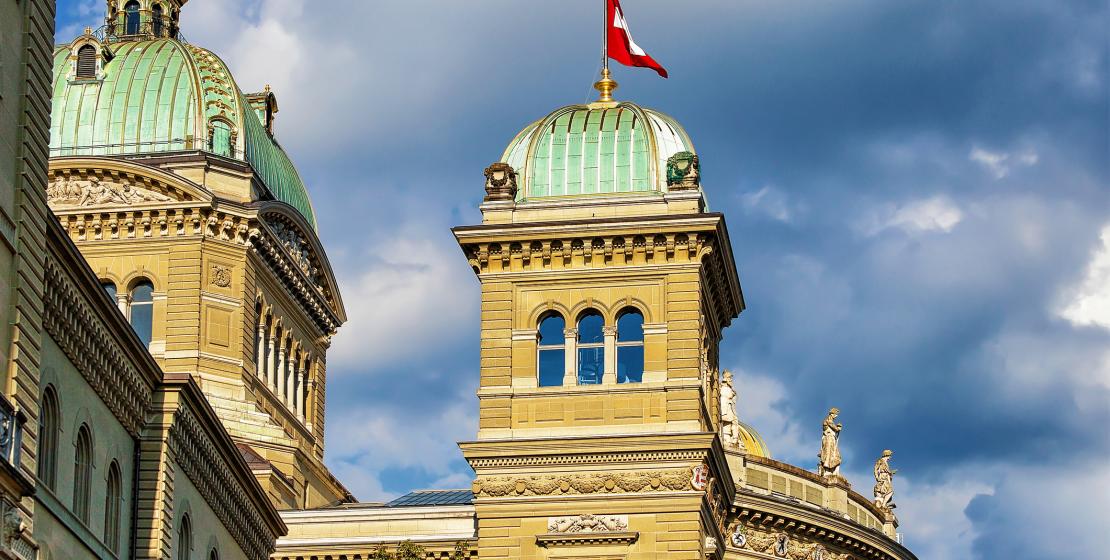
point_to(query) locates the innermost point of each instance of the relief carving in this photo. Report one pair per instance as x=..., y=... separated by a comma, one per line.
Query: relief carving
x=587, y=523
x=297, y=248
x=94, y=192
x=781, y=545
x=670, y=480
x=220, y=276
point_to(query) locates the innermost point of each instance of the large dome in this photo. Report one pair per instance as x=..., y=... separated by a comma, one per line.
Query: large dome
x=163, y=95
x=596, y=149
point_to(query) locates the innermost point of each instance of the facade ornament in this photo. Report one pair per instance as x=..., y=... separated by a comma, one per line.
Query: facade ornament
x=94, y=192
x=500, y=182
x=884, y=482
x=699, y=478
x=683, y=171
x=739, y=536
x=829, y=464
x=587, y=523
x=220, y=276
x=297, y=248
x=730, y=424
x=13, y=526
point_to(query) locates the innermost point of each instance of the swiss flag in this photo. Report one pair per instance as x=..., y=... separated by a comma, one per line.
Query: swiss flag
x=621, y=46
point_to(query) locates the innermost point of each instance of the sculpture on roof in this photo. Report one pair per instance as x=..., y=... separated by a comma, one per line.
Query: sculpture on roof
x=884, y=482
x=829, y=464
x=730, y=424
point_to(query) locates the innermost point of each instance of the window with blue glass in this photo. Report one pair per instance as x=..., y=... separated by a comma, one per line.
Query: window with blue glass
x=109, y=288
x=156, y=21
x=551, y=358
x=141, y=310
x=591, y=348
x=630, y=347
x=131, y=18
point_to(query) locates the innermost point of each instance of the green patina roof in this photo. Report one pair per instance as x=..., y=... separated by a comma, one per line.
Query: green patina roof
x=596, y=149
x=160, y=96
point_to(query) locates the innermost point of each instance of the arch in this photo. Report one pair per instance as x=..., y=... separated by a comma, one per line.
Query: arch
x=49, y=434
x=113, y=506
x=213, y=548
x=86, y=62
x=157, y=19
x=109, y=287
x=82, y=472
x=140, y=309
x=550, y=349
x=630, y=345
x=184, y=544
x=131, y=18
x=590, y=346
x=591, y=305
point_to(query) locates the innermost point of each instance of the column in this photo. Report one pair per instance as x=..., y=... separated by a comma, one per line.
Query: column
x=260, y=352
x=121, y=302
x=302, y=388
x=609, y=376
x=289, y=392
x=279, y=374
x=271, y=354
x=570, y=349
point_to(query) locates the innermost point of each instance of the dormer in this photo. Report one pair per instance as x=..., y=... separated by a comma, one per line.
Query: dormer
x=265, y=107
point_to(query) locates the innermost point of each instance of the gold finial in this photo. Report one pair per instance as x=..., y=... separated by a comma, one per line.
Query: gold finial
x=606, y=86
x=267, y=88
x=88, y=31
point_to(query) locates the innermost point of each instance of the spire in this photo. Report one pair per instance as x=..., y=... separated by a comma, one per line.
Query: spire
x=606, y=86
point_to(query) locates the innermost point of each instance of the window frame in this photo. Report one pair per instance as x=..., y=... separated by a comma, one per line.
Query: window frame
x=49, y=435
x=131, y=304
x=184, y=542
x=132, y=9
x=630, y=344
x=560, y=348
x=82, y=473
x=83, y=53
x=579, y=346
x=113, y=507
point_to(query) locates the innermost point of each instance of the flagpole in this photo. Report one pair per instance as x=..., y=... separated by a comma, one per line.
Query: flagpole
x=606, y=85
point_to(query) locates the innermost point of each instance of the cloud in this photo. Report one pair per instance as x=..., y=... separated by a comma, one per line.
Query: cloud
x=771, y=202
x=1088, y=303
x=999, y=164
x=934, y=214
x=760, y=402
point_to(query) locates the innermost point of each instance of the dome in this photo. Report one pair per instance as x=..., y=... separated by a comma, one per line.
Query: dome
x=753, y=442
x=163, y=95
x=600, y=148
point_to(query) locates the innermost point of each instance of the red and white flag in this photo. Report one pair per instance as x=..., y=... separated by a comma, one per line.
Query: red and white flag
x=621, y=47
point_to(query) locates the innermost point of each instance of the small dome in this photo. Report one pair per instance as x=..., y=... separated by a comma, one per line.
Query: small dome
x=163, y=95
x=753, y=442
x=601, y=148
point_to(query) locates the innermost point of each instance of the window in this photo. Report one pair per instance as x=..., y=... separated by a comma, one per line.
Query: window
x=109, y=288
x=552, y=356
x=112, y=506
x=630, y=347
x=184, y=538
x=131, y=18
x=591, y=348
x=156, y=20
x=82, y=473
x=86, y=62
x=220, y=143
x=141, y=310
x=213, y=554
x=49, y=421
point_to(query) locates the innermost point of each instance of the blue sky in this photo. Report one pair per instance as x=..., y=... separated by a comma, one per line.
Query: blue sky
x=918, y=194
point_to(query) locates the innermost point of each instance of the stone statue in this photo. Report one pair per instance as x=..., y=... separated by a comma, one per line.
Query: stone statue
x=829, y=464
x=884, y=482
x=67, y=192
x=730, y=424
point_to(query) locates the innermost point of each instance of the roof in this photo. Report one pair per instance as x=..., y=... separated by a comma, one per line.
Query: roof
x=753, y=442
x=434, y=498
x=600, y=148
x=162, y=95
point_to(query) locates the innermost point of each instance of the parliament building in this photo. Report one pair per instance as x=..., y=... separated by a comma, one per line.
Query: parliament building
x=168, y=309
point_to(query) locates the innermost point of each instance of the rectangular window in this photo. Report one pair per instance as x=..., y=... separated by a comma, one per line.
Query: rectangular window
x=630, y=364
x=591, y=365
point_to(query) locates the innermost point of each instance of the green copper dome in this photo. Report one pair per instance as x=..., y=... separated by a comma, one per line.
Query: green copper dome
x=601, y=148
x=162, y=95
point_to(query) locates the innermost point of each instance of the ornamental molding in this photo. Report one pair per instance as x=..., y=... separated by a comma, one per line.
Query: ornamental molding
x=806, y=540
x=587, y=523
x=84, y=184
x=579, y=252
x=314, y=298
x=193, y=449
x=591, y=459
x=671, y=480
x=87, y=342
x=160, y=223
x=782, y=544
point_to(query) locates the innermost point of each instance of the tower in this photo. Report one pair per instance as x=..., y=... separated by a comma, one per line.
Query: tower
x=172, y=183
x=605, y=286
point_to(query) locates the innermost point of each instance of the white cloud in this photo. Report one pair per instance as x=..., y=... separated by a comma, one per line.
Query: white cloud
x=1088, y=303
x=769, y=201
x=760, y=401
x=935, y=214
x=999, y=164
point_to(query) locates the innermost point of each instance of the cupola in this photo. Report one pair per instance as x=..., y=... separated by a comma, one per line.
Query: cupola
x=133, y=20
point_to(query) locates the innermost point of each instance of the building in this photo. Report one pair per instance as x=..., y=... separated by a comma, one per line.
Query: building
x=172, y=308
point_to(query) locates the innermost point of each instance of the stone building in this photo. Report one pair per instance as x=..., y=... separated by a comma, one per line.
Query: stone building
x=170, y=309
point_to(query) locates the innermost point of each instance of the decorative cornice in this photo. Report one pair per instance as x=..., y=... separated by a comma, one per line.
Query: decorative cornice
x=581, y=539
x=762, y=529
x=670, y=480
x=587, y=459
x=310, y=294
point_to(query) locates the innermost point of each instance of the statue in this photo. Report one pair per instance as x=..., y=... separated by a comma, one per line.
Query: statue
x=829, y=464
x=730, y=424
x=884, y=482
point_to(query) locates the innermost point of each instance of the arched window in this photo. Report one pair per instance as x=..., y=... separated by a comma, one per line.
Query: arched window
x=113, y=505
x=156, y=20
x=49, y=421
x=131, y=18
x=213, y=554
x=82, y=473
x=630, y=347
x=86, y=62
x=109, y=288
x=551, y=359
x=141, y=310
x=185, y=538
x=220, y=142
x=591, y=348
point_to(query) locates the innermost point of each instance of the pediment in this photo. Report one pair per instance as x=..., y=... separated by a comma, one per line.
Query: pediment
x=298, y=242
x=81, y=183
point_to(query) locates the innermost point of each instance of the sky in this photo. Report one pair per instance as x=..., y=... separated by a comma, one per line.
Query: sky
x=918, y=194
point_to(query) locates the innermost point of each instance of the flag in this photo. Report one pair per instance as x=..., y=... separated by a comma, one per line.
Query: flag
x=621, y=47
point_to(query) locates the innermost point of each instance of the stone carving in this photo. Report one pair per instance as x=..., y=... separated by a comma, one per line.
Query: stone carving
x=730, y=424
x=94, y=192
x=781, y=545
x=500, y=182
x=13, y=526
x=829, y=464
x=884, y=482
x=658, y=481
x=297, y=248
x=587, y=523
x=683, y=171
x=220, y=276
x=739, y=536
